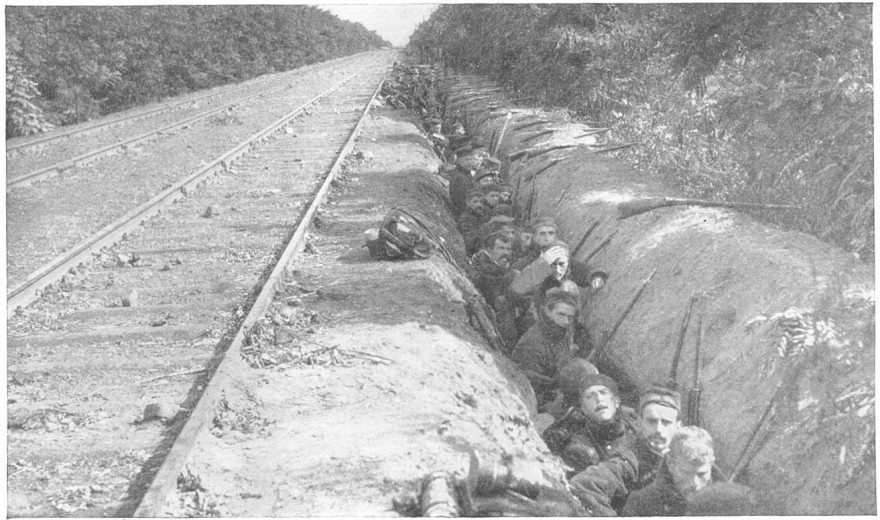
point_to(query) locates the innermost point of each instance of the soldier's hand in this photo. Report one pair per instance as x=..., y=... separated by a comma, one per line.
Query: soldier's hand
x=553, y=254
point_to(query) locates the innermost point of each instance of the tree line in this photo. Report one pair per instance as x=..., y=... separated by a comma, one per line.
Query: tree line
x=68, y=64
x=769, y=103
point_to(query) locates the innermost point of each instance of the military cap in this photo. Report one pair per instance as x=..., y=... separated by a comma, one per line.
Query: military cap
x=599, y=274
x=502, y=219
x=483, y=172
x=475, y=192
x=571, y=375
x=559, y=295
x=491, y=233
x=542, y=221
x=598, y=380
x=661, y=395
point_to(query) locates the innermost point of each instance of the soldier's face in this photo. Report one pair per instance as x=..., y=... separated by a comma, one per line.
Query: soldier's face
x=525, y=239
x=492, y=198
x=476, y=203
x=561, y=314
x=690, y=476
x=559, y=267
x=486, y=181
x=469, y=162
x=500, y=253
x=658, y=424
x=544, y=235
x=505, y=197
x=599, y=403
x=509, y=232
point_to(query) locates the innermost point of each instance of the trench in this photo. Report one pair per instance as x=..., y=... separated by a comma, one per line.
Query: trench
x=783, y=318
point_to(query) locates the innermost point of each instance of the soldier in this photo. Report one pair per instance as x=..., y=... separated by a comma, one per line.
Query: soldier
x=543, y=231
x=523, y=245
x=551, y=269
x=491, y=266
x=685, y=470
x=493, y=197
x=502, y=224
x=462, y=178
x=474, y=216
x=603, y=488
x=548, y=345
x=595, y=430
x=506, y=193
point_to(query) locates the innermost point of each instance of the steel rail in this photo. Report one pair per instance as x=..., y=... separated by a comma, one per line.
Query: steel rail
x=162, y=108
x=25, y=292
x=153, y=502
x=104, y=151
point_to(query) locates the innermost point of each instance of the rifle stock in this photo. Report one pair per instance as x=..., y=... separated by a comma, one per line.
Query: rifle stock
x=637, y=207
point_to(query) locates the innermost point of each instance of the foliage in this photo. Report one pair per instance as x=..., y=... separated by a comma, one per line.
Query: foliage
x=741, y=102
x=87, y=61
x=23, y=117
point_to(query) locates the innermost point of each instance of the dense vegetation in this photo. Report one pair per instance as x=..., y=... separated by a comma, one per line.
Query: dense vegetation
x=68, y=64
x=741, y=102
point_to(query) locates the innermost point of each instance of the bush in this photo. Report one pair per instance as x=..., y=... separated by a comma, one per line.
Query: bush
x=763, y=103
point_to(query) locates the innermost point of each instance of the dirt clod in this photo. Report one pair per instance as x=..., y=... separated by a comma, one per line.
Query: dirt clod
x=130, y=299
x=159, y=411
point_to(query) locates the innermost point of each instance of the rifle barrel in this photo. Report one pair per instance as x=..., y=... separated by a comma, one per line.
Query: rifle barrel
x=580, y=244
x=620, y=319
x=673, y=372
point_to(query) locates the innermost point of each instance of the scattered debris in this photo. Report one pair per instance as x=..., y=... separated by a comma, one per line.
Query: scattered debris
x=211, y=211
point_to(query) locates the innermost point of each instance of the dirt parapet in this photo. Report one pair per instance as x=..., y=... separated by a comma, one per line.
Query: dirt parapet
x=785, y=317
x=382, y=382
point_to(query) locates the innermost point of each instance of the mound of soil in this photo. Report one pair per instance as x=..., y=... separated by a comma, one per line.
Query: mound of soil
x=777, y=308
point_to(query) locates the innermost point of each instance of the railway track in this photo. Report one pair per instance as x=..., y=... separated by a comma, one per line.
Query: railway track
x=143, y=327
x=76, y=147
x=64, y=209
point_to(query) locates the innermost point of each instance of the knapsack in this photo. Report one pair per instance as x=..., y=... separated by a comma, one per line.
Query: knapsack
x=399, y=238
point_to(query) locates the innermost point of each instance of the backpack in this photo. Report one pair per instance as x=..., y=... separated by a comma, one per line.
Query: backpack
x=398, y=238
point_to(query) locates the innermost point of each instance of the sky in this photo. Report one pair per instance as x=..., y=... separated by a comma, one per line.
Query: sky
x=394, y=22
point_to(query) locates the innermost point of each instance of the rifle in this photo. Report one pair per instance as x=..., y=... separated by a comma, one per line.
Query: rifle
x=532, y=198
x=501, y=135
x=614, y=148
x=694, y=393
x=622, y=317
x=671, y=382
x=637, y=207
x=604, y=243
x=592, y=132
x=745, y=457
x=531, y=123
x=577, y=248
